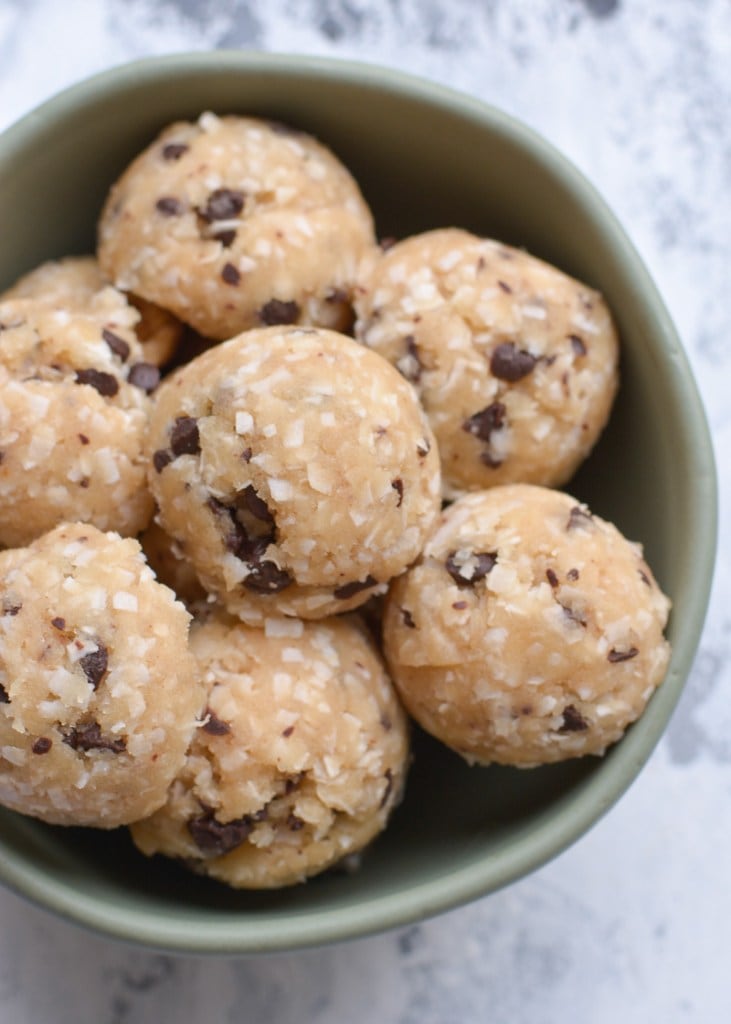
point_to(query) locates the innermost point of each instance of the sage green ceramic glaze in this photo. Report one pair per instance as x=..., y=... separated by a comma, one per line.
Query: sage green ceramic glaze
x=425, y=157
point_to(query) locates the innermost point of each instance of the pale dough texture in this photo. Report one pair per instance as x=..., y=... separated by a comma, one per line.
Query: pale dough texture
x=295, y=469
x=514, y=362
x=73, y=417
x=98, y=692
x=233, y=222
x=528, y=632
x=300, y=758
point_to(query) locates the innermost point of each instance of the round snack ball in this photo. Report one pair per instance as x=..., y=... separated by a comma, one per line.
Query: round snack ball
x=233, y=222
x=98, y=693
x=300, y=759
x=514, y=362
x=73, y=417
x=529, y=631
x=76, y=282
x=296, y=470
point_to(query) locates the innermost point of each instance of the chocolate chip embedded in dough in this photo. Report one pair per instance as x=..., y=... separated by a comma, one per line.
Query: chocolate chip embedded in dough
x=144, y=376
x=579, y=516
x=410, y=365
x=423, y=448
x=105, y=383
x=174, y=150
x=169, y=206
x=11, y=607
x=95, y=665
x=162, y=458
x=572, y=575
x=510, y=363
x=4, y=696
x=616, y=656
x=88, y=736
x=552, y=578
x=573, y=720
x=214, y=725
x=184, y=436
x=216, y=838
x=578, y=345
x=398, y=486
x=466, y=570
x=230, y=274
x=277, y=311
x=268, y=578
x=351, y=589
x=58, y=623
x=573, y=615
x=223, y=204
x=482, y=424
x=408, y=618
x=388, y=776
x=42, y=745
x=117, y=345
x=504, y=286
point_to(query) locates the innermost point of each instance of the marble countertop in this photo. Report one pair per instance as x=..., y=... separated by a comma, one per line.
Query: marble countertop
x=632, y=922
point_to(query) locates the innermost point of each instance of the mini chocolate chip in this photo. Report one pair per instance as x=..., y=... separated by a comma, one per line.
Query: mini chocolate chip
x=573, y=720
x=468, y=572
x=423, y=448
x=169, y=206
x=246, y=454
x=4, y=698
x=294, y=824
x=214, y=725
x=644, y=577
x=460, y=605
x=230, y=274
x=95, y=665
x=42, y=745
x=10, y=608
x=579, y=516
x=288, y=731
x=292, y=783
x=386, y=723
x=58, y=622
x=118, y=345
x=398, y=486
x=552, y=578
x=162, y=458
x=144, y=376
x=184, y=436
x=482, y=424
x=226, y=238
x=510, y=363
x=577, y=344
x=223, y=204
x=388, y=776
x=505, y=287
x=615, y=656
x=84, y=482
x=216, y=838
x=174, y=150
x=277, y=311
x=89, y=737
x=410, y=365
x=83, y=438
x=408, y=618
x=351, y=589
x=572, y=615
x=267, y=578
x=255, y=505
x=105, y=383
x=573, y=575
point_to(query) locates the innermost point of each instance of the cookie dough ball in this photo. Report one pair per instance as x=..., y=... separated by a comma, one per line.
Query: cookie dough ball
x=98, y=692
x=530, y=631
x=296, y=470
x=233, y=222
x=300, y=759
x=168, y=562
x=514, y=362
x=73, y=416
x=77, y=282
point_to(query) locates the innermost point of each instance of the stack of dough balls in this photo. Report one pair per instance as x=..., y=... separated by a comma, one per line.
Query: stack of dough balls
x=266, y=486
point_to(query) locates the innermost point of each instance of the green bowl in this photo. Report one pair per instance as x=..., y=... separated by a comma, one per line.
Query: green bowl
x=425, y=157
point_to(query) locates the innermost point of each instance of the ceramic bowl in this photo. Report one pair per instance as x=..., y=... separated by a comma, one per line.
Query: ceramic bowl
x=424, y=157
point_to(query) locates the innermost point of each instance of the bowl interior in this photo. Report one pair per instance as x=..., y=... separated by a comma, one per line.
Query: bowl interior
x=424, y=157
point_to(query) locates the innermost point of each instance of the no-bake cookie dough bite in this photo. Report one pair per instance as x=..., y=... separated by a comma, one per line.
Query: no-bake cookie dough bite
x=529, y=631
x=76, y=282
x=98, y=693
x=234, y=222
x=74, y=407
x=514, y=361
x=296, y=470
x=300, y=759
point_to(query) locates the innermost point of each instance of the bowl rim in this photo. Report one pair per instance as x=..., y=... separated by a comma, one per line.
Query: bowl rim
x=549, y=837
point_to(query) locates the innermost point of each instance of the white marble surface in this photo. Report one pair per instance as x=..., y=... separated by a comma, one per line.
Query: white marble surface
x=632, y=923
